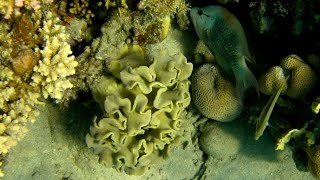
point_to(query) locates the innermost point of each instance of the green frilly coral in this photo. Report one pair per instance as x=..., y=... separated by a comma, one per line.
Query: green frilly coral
x=142, y=110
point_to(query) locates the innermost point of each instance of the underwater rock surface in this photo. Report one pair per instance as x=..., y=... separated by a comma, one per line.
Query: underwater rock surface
x=56, y=149
x=48, y=75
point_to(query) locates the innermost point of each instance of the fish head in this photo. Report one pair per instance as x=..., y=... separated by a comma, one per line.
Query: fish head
x=205, y=18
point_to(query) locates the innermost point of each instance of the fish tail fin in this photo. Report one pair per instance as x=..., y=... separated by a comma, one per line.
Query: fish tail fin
x=244, y=81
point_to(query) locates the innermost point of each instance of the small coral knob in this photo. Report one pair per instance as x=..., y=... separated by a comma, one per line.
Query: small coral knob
x=24, y=62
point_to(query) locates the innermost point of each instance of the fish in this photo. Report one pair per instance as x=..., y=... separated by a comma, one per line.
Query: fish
x=262, y=121
x=222, y=32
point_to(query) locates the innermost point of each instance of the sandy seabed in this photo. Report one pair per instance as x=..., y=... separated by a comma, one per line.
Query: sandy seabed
x=55, y=146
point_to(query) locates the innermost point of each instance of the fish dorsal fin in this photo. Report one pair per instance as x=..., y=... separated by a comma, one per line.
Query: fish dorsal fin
x=246, y=52
x=245, y=48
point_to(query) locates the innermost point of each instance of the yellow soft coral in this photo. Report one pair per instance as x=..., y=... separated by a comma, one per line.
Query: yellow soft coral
x=167, y=8
x=57, y=62
x=121, y=3
x=17, y=109
x=81, y=8
x=293, y=133
x=9, y=7
x=142, y=110
x=214, y=96
x=315, y=106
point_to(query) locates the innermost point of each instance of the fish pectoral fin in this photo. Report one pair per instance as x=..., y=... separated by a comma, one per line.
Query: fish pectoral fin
x=208, y=33
x=245, y=79
x=250, y=59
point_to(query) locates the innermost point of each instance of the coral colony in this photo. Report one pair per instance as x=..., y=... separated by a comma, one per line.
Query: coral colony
x=53, y=49
x=143, y=105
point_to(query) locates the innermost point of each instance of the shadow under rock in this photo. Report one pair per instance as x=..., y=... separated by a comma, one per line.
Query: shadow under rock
x=75, y=120
x=189, y=40
x=264, y=148
x=243, y=132
x=229, y=140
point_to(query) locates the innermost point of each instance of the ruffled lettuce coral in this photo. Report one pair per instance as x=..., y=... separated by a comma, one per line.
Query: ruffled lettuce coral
x=142, y=107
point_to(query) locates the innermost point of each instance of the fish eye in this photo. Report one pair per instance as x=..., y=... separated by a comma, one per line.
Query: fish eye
x=200, y=12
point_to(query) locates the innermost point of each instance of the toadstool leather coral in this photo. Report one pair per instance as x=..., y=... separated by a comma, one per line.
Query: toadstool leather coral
x=142, y=111
x=214, y=96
